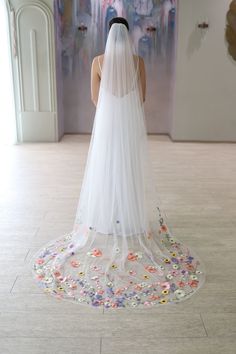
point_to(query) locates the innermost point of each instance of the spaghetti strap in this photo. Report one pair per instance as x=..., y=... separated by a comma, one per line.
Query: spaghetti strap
x=99, y=65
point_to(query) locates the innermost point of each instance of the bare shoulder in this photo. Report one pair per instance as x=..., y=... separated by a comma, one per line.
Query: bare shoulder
x=139, y=59
x=98, y=57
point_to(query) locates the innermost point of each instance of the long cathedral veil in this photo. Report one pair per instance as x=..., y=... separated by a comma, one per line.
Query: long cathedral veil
x=120, y=252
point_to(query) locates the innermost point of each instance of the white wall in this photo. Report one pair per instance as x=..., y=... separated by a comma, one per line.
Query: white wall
x=205, y=88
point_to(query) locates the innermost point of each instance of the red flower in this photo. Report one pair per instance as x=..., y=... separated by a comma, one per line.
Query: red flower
x=181, y=284
x=164, y=228
x=193, y=283
x=132, y=257
x=150, y=269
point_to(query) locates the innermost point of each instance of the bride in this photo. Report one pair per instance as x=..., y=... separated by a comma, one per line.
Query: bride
x=120, y=251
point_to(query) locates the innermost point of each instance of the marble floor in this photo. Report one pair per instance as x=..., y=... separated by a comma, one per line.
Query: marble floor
x=40, y=185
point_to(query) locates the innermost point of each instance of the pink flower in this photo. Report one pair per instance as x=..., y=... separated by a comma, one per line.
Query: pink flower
x=75, y=264
x=132, y=257
x=151, y=269
x=96, y=252
x=193, y=283
x=73, y=286
x=165, y=285
x=40, y=261
x=181, y=284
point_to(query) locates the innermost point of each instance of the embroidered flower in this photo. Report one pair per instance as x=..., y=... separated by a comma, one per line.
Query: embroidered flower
x=193, y=283
x=147, y=303
x=75, y=264
x=73, y=286
x=163, y=301
x=190, y=267
x=132, y=256
x=193, y=276
x=114, y=266
x=150, y=269
x=95, y=253
x=154, y=297
x=167, y=260
x=40, y=277
x=60, y=288
x=57, y=273
x=175, y=266
x=138, y=287
x=145, y=276
x=169, y=276
x=165, y=285
x=119, y=291
x=181, y=284
x=165, y=292
x=139, y=255
x=40, y=261
x=179, y=293
x=164, y=228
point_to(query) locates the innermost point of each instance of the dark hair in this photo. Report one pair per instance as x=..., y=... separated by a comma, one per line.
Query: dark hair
x=119, y=20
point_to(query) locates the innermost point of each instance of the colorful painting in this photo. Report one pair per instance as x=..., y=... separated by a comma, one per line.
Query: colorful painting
x=82, y=28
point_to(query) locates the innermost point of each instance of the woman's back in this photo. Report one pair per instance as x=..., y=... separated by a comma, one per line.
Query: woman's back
x=96, y=75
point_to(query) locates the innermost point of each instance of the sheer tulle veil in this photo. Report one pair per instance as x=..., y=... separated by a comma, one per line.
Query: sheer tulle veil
x=120, y=251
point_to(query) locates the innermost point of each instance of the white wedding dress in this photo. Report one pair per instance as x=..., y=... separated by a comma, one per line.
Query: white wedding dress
x=120, y=251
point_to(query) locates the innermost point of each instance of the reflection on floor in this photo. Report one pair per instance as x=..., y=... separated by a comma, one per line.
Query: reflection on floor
x=40, y=185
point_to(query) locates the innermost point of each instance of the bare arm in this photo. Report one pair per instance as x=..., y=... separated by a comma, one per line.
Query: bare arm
x=95, y=81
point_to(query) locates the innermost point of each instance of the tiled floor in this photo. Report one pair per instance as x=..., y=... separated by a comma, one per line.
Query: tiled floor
x=40, y=185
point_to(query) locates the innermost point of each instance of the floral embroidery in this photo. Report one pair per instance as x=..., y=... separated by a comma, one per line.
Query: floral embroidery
x=170, y=278
x=151, y=269
x=74, y=264
x=95, y=253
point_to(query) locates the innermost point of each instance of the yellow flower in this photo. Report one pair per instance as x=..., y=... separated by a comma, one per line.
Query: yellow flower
x=60, y=288
x=163, y=301
x=81, y=273
x=167, y=260
x=173, y=254
x=146, y=276
x=165, y=292
x=114, y=266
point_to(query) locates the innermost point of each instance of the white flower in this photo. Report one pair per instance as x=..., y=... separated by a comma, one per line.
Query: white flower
x=169, y=276
x=194, y=277
x=179, y=293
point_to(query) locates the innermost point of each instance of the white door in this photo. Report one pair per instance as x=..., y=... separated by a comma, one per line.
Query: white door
x=32, y=28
